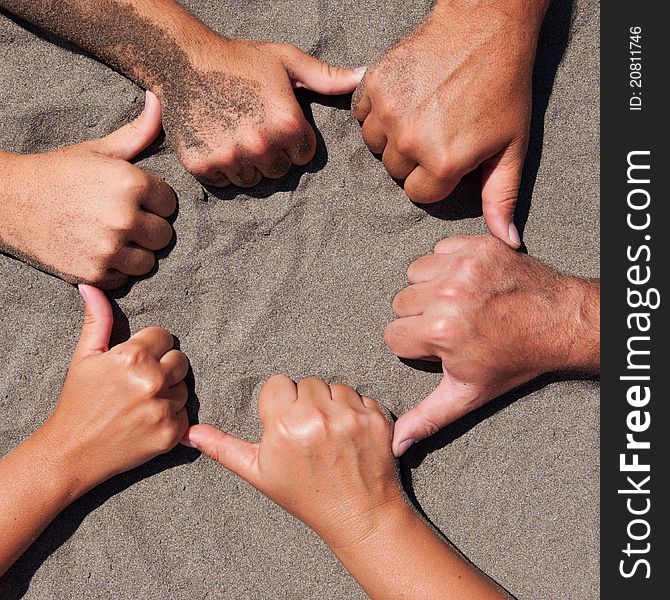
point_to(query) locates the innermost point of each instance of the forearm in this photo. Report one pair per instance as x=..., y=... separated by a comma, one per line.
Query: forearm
x=529, y=13
x=584, y=354
x=36, y=487
x=401, y=557
x=150, y=41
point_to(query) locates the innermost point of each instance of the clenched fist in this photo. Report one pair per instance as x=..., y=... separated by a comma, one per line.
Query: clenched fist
x=84, y=212
x=118, y=409
x=233, y=116
x=495, y=319
x=453, y=95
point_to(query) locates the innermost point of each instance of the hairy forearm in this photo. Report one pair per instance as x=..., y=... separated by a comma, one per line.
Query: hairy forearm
x=585, y=332
x=401, y=557
x=36, y=487
x=529, y=13
x=150, y=41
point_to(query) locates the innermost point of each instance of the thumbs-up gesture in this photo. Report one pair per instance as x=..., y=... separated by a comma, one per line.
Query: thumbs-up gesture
x=232, y=113
x=495, y=319
x=325, y=457
x=84, y=212
x=119, y=407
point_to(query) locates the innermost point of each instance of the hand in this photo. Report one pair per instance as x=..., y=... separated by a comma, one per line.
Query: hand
x=121, y=407
x=325, y=456
x=94, y=217
x=495, y=319
x=453, y=95
x=233, y=115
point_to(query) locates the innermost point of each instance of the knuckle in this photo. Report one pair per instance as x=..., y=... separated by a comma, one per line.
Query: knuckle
x=257, y=144
x=127, y=220
x=132, y=355
x=152, y=383
x=197, y=164
x=445, y=167
x=290, y=123
x=169, y=435
x=468, y=266
x=134, y=183
x=406, y=143
x=445, y=290
x=439, y=328
x=378, y=422
x=348, y=422
x=108, y=249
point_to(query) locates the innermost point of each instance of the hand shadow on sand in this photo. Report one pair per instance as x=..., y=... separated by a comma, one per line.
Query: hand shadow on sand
x=465, y=201
x=291, y=181
x=15, y=583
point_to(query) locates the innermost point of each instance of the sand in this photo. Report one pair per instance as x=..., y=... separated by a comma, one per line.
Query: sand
x=297, y=277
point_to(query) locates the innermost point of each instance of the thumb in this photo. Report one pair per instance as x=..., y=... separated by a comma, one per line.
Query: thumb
x=128, y=141
x=311, y=73
x=98, y=321
x=501, y=179
x=441, y=407
x=236, y=455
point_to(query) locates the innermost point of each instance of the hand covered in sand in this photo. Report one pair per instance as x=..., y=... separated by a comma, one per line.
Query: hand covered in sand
x=453, y=95
x=84, y=212
x=119, y=407
x=232, y=113
x=495, y=319
x=325, y=456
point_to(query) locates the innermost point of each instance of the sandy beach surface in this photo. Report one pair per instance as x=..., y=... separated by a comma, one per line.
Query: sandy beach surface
x=297, y=277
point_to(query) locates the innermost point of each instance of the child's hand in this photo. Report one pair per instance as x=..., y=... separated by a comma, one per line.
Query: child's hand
x=84, y=212
x=325, y=457
x=119, y=407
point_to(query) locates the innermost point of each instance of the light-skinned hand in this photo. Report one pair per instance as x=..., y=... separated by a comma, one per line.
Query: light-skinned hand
x=454, y=95
x=93, y=216
x=325, y=456
x=495, y=319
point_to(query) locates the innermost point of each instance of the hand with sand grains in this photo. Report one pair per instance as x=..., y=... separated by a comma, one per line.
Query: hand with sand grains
x=229, y=106
x=325, y=457
x=454, y=95
x=118, y=409
x=84, y=212
x=495, y=319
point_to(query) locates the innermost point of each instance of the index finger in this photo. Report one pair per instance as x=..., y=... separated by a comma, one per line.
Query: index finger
x=360, y=103
x=428, y=267
x=160, y=199
x=156, y=340
x=276, y=395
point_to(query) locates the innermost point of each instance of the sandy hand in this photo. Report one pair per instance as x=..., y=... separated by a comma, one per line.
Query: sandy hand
x=453, y=95
x=84, y=212
x=495, y=319
x=325, y=456
x=232, y=113
x=119, y=407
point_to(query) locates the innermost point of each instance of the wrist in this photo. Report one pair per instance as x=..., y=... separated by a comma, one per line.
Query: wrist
x=572, y=341
x=370, y=529
x=52, y=474
x=510, y=28
x=63, y=460
x=583, y=350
